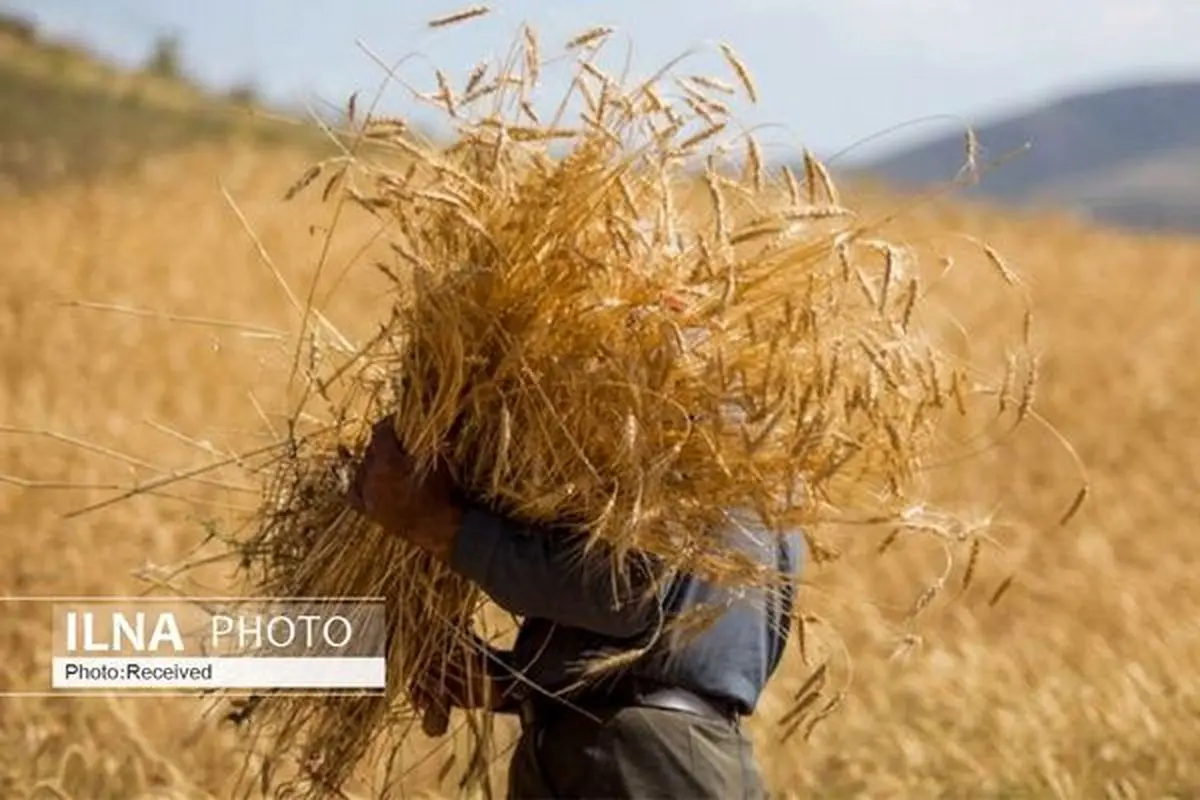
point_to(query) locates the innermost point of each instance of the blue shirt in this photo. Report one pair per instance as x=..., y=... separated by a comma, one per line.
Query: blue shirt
x=573, y=610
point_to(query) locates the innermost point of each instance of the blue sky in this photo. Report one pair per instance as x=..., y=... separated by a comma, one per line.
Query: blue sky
x=831, y=72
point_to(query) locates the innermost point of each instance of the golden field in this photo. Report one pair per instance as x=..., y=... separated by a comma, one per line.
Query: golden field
x=1080, y=682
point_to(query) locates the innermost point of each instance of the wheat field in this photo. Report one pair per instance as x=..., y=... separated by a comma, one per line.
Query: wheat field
x=1077, y=682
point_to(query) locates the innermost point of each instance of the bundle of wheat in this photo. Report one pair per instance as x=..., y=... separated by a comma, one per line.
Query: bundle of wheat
x=597, y=335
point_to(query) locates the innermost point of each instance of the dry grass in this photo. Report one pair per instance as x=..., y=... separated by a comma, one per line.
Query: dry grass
x=1079, y=682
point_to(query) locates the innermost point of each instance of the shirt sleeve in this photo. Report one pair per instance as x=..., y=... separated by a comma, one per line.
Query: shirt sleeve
x=547, y=575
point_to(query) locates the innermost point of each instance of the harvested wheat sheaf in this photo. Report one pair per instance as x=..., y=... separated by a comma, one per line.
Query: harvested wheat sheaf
x=619, y=320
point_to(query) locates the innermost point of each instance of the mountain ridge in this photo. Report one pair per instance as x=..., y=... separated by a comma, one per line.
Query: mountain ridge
x=1127, y=155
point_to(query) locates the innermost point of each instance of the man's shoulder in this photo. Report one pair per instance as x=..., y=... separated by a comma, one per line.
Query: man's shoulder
x=745, y=529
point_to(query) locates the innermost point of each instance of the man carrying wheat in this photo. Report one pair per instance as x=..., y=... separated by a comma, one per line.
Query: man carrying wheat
x=670, y=725
x=611, y=349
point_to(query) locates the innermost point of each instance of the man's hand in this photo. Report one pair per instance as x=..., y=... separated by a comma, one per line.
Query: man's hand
x=466, y=682
x=388, y=491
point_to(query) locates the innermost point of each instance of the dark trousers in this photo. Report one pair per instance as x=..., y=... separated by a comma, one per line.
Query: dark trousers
x=634, y=752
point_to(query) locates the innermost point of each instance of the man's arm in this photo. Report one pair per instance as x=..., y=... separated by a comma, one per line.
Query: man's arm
x=536, y=573
x=529, y=572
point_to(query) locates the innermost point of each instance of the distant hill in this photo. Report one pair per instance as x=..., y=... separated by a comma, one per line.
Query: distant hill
x=1127, y=156
x=66, y=115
